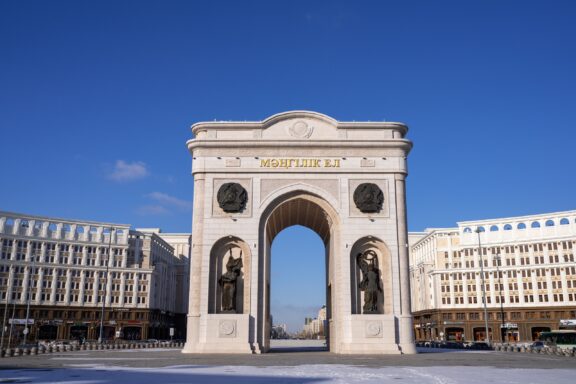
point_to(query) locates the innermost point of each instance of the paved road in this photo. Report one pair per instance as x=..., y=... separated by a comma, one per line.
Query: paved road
x=294, y=357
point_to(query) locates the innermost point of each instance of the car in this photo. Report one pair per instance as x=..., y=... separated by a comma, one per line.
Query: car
x=480, y=346
x=27, y=346
x=153, y=341
x=537, y=345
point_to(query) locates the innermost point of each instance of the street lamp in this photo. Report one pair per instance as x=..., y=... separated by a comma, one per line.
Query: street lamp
x=4, y=320
x=101, y=338
x=32, y=270
x=478, y=230
x=498, y=259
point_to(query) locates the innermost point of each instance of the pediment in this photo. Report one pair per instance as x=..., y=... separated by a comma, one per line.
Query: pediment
x=299, y=125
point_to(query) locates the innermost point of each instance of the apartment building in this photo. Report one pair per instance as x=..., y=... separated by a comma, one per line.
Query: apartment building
x=523, y=266
x=59, y=276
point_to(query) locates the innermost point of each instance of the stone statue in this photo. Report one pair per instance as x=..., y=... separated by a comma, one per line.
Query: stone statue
x=228, y=283
x=232, y=197
x=370, y=284
x=368, y=198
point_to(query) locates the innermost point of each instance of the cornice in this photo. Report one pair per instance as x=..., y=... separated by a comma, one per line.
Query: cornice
x=260, y=125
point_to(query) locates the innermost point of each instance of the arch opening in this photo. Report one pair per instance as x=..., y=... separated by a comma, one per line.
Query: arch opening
x=298, y=290
x=296, y=209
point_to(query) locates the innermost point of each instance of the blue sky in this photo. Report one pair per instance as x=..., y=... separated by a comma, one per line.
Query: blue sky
x=96, y=99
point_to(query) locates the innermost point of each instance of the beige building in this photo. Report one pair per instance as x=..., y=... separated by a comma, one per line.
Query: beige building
x=316, y=327
x=181, y=244
x=343, y=180
x=529, y=277
x=69, y=268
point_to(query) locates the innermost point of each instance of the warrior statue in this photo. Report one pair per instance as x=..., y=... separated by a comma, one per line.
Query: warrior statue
x=370, y=284
x=228, y=283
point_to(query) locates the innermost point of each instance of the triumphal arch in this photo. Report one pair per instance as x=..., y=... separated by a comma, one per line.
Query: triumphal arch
x=345, y=181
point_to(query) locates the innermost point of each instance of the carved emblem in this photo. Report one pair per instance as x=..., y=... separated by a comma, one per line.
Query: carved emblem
x=227, y=328
x=373, y=328
x=232, y=197
x=369, y=198
x=301, y=129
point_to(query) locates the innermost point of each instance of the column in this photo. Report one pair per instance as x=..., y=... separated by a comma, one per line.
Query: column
x=84, y=255
x=39, y=286
x=67, y=286
x=122, y=287
x=193, y=319
x=108, y=297
x=53, y=288
x=406, y=325
x=564, y=281
x=81, y=290
x=136, y=281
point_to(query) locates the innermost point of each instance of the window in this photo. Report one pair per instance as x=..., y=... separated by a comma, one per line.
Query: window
x=467, y=230
x=494, y=228
x=535, y=224
x=564, y=221
x=549, y=223
x=521, y=226
x=507, y=227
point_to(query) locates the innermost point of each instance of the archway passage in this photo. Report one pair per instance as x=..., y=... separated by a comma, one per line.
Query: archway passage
x=298, y=291
x=296, y=209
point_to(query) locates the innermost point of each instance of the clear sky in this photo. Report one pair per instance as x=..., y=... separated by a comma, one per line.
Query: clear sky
x=96, y=99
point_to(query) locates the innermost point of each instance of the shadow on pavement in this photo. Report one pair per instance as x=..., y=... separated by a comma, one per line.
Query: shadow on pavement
x=140, y=376
x=298, y=349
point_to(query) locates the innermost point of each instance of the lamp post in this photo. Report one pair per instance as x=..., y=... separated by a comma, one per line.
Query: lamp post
x=498, y=259
x=101, y=337
x=4, y=320
x=32, y=270
x=478, y=231
x=12, y=322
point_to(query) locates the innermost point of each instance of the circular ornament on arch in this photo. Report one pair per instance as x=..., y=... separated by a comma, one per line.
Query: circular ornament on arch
x=227, y=327
x=301, y=129
x=373, y=328
x=368, y=198
x=232, y=197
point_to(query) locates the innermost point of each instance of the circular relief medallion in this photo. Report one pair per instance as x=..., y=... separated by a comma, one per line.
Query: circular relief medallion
x=227, y=327
x=373, y=328
x=301, y=129
x=232, y=197
x=368, y=198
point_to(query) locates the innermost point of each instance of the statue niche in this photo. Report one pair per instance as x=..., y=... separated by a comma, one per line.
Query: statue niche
x=370, y=283
x=228, y=283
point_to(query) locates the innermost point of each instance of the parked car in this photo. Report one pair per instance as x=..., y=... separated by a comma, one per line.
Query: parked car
x=537, y=345
x=480, y=346
x=27, y=346
x=60, y=343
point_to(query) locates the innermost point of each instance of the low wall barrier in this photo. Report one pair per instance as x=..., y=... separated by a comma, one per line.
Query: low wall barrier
x=553, y=351
x=59, y=348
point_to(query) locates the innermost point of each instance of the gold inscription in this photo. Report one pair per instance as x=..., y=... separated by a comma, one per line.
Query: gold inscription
x=299, y=163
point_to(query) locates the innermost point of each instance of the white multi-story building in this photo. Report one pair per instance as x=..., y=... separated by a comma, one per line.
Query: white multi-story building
x=529, y=278
x=181, y=244
x=316, y=327
x=60, y=273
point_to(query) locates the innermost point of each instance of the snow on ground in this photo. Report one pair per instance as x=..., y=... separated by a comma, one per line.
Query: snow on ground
x=302, y=374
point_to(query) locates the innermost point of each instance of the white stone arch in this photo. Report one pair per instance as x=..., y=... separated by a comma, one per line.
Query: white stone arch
x=324, y=161
x=300, y=187
x=321, y=216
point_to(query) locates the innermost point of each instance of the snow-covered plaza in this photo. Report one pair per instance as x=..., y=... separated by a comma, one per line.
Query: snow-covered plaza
x=165, y=366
